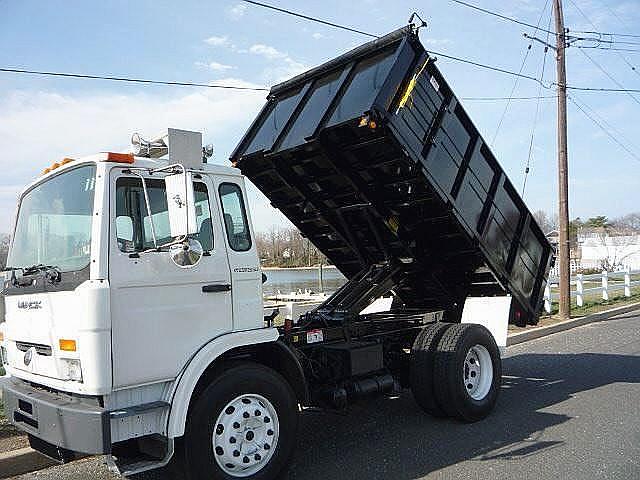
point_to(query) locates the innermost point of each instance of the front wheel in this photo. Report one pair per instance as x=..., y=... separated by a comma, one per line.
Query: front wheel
x=243, y=425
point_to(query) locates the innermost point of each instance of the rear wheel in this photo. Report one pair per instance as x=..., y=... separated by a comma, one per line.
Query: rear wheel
x=243, y=425
x=421, y=379
x=467, y=372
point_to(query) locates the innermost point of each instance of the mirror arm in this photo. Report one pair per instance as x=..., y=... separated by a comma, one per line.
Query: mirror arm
x=146, y=201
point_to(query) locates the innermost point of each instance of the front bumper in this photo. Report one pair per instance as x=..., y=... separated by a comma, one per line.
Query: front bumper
x=70, y=422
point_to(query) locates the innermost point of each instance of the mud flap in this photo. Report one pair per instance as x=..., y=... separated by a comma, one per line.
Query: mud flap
x=492, y=313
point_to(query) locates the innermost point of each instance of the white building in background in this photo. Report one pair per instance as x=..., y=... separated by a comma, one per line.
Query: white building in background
x=600, y=250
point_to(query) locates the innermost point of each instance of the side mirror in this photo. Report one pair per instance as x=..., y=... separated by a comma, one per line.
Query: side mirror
x=186, y=254
x=181, y=204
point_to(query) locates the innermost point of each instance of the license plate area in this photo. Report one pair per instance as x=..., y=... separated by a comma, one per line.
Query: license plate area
x=24, y=414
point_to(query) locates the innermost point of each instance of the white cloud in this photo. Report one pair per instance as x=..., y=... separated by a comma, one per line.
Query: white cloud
x=237, y=11
x=318, y=36
x=217, y=41
x=214, y=66
x=436, y=41
x=282, y=66
x=267, y=51
x=39, y=128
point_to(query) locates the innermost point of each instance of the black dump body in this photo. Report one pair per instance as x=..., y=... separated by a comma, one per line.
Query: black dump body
x=391, y=180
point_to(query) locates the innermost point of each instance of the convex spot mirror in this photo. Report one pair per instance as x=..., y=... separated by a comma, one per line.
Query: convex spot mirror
x=181, y=204
x=186, y=254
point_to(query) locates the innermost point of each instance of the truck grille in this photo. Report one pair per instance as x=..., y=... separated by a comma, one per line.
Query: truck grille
x=40, y=349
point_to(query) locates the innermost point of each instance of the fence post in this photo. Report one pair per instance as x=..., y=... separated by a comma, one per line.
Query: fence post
x=627, y=282
x=547, y=298
x=605, y=285
x=579, y=290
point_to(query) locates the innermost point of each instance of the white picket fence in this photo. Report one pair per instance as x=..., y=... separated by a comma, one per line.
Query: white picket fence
x=605, y=283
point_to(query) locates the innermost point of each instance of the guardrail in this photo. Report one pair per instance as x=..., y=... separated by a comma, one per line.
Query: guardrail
x=606, y=283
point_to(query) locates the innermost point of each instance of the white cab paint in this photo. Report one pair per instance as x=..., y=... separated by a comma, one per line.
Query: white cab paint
x=156, y=303
x=246, y=274
x=82, y=315
x=185, y=385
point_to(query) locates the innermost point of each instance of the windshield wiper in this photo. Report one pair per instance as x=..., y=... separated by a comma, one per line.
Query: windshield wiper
x=52, y=274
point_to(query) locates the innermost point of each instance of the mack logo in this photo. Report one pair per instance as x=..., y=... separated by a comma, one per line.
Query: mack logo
x=28, y=356
x=30, y=305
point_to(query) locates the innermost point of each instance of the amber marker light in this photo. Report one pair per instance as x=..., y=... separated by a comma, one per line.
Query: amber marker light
x=67, y=345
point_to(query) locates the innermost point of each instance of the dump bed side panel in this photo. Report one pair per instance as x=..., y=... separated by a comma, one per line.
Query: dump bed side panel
x=375, y=160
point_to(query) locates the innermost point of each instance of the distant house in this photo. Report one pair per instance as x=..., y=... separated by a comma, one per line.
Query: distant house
x=602, y=249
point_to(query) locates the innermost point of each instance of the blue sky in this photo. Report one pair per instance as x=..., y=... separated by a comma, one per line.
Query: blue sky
x=45, y=119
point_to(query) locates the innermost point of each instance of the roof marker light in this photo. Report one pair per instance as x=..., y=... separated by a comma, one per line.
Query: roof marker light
x=120, y=157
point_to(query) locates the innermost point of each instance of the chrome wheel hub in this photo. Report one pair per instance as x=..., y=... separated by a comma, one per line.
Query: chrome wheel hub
x=478, y=372
x=245, y=435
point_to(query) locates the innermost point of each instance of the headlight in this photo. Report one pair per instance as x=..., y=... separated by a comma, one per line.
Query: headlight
x=71, y=369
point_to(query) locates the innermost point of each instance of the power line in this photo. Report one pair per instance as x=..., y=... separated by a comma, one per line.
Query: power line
x=234, y=87
x=498, y=15
x=497, y=99
x=433, y=52
x=362, y=32
x=527, y=168
x=610, y=90
x=592, y=32
x=482, y=65
x=131, y=80
x=310, y=18
x=613, y=49
x=606, y=131
x=517, y=80
x=608, y=75
x=611, y=127
x=594, y=26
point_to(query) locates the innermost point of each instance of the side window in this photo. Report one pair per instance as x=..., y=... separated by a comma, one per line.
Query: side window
x=133, y=224
x=235, y=217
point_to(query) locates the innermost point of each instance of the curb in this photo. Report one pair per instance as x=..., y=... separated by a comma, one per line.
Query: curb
x=540, y=332
x=23, y=460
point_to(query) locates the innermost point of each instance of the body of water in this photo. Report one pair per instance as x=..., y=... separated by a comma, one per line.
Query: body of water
x=292, y=279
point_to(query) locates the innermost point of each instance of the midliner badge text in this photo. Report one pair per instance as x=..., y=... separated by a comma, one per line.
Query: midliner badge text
x=30, y=305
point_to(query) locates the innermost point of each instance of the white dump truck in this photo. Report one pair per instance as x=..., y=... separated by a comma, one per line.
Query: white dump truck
x=134, y=322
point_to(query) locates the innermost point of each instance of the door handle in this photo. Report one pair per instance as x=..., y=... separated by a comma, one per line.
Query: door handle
x=218, y=287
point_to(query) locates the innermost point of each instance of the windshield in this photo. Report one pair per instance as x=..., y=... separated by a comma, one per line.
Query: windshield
x=54, y=222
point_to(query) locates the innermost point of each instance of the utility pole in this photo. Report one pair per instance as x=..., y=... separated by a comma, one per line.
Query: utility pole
x=563, y=182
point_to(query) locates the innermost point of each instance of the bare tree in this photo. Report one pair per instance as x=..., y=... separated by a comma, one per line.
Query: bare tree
x=545, y=221
x=629, y=224
x=286, y=247
x=4, y=249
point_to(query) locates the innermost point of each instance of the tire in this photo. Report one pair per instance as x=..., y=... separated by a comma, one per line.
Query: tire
x=421, y=380
x=243, y=425
x=468, y=372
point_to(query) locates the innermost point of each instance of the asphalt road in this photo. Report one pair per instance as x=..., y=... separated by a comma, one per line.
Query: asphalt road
x=569, y=408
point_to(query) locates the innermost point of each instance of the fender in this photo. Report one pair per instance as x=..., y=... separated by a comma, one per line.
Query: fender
x=181, y=395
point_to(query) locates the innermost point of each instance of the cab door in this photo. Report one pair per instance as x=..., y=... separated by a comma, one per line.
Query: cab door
x=161, y=313
x=242, y=252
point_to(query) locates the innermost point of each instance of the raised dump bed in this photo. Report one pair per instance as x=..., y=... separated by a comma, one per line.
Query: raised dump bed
x=375, y=160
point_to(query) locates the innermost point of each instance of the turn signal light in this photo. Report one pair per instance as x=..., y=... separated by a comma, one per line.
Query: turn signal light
x=67, y=345
x=120, y=157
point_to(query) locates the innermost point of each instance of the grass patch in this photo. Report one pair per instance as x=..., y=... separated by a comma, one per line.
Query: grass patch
x=595, y=305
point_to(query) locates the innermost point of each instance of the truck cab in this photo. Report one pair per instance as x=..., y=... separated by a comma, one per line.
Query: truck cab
x=105, y=306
